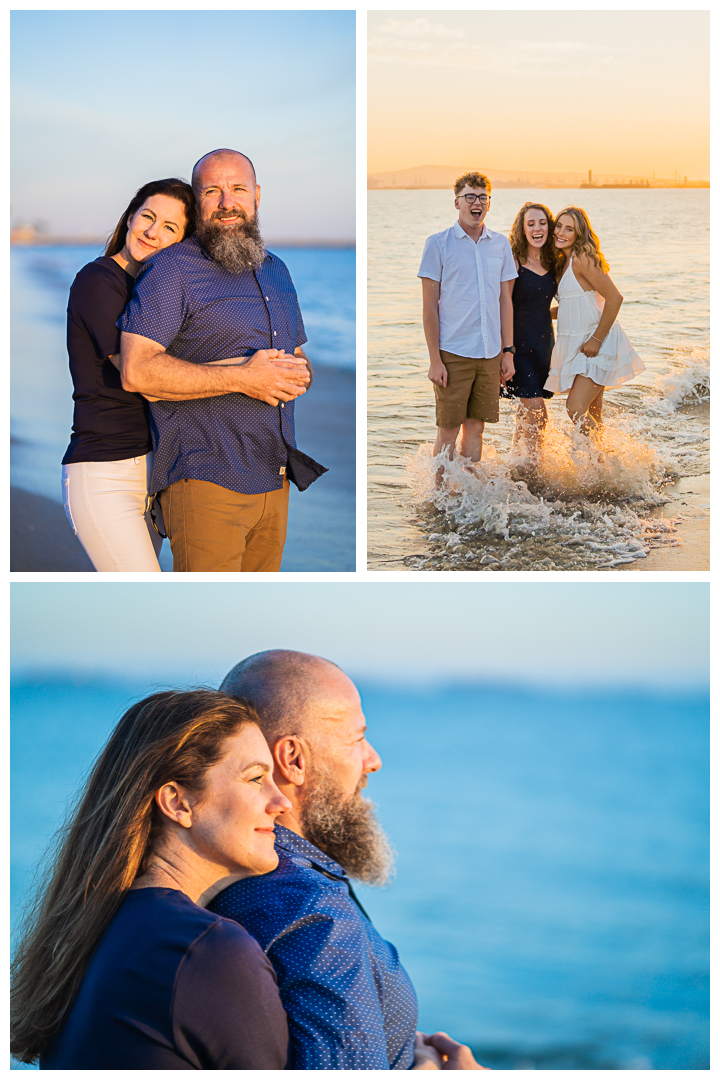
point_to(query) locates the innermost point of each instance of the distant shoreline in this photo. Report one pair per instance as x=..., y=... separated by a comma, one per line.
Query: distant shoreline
x=695, y=186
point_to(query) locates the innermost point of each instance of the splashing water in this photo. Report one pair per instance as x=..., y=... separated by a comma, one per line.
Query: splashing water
x=641, y=485
x=581, y=503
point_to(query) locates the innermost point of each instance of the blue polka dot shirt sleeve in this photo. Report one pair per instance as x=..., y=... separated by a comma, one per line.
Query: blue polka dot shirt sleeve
x=349, y=1001
x=159, y=304
x=200, y=313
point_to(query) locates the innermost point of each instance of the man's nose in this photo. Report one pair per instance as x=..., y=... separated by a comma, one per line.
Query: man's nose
x=227, y=200
x=372, y=760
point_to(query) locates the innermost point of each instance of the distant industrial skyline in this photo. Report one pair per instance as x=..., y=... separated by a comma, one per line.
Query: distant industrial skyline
x=443, y=176
x=625, y=93
x=103, y=101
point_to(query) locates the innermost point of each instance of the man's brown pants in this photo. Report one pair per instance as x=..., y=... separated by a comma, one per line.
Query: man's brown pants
x=212, y=529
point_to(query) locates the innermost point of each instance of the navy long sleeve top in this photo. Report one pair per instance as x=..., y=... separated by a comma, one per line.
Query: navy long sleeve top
x=173, y=986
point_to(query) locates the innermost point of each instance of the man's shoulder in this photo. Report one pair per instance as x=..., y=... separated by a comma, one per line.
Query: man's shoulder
x=274, y=260
x=441, y=238
x=274, y=268
x=174, y=259
x=292, y=894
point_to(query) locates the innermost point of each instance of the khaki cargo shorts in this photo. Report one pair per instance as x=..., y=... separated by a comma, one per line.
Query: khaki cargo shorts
x=473, y=390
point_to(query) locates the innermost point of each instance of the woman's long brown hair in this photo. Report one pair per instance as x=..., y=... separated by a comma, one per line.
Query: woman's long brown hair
x=518, y=239
x=105, y=843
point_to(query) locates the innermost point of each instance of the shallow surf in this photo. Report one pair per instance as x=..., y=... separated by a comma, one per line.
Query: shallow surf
x=581, y=503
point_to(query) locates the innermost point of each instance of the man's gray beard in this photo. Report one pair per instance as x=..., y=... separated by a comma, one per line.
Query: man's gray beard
x=234, y=247
x=347, y=830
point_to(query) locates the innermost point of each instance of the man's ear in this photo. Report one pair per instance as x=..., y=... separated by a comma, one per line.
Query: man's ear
x=173, y=803
x=290, y=753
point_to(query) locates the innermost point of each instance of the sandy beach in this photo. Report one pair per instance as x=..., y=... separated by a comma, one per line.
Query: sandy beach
x=688, y=505
x=321, y=530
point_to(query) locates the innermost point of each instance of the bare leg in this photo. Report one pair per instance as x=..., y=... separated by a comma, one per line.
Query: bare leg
x=582, y=394
x=472, y=439
x=446, y=438
x=530, y=421
x=596, y=407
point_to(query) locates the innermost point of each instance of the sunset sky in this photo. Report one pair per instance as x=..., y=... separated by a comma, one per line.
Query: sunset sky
x=622, y=92
x=103, y=101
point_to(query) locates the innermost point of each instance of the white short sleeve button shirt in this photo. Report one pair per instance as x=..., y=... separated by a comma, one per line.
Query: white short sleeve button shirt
x=469, y=274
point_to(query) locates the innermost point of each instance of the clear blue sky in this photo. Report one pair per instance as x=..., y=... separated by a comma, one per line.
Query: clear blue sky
x=103, y=101
x=559, y=633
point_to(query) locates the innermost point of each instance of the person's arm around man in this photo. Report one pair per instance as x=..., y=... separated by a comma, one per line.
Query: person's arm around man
x=147, y=368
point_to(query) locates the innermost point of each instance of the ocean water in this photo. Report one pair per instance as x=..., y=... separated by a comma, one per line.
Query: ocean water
x=586, y=506
x=551, y=894
x=41, y=388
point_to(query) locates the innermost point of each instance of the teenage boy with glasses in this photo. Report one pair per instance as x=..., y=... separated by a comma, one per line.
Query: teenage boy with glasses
x=467, y=273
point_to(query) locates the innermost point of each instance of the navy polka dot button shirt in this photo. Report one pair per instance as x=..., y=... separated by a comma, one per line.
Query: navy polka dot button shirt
x=200, y=312
x=350, y=1002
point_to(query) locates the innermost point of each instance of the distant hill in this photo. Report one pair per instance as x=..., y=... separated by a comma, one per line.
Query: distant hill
x=444, y=176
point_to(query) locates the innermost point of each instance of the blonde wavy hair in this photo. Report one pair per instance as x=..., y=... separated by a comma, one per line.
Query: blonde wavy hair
x=586, y=241
x=518, y=239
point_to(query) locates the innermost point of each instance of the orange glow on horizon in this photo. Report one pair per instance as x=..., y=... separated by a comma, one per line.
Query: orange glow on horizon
x=624, y=93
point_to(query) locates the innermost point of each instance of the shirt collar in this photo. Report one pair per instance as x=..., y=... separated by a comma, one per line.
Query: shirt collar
x=293, y=844
x=460, y=232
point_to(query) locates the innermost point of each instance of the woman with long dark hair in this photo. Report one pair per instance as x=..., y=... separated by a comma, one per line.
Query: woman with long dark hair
x=108, y=463
x=120, y=966
x=531, y=240
x=592, y=351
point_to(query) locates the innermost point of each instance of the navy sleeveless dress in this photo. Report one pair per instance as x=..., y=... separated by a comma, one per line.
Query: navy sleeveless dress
x=532, y=333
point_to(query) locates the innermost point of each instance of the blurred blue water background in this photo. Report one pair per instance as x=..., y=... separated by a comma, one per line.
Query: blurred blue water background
x=551, y=897
x=41, y=388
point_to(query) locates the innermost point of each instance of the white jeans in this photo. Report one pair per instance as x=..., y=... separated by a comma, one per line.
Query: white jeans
x=106, y=504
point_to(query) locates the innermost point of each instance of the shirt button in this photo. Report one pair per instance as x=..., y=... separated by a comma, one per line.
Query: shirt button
x=275, y=333
x=282, y=404
x=267, y=297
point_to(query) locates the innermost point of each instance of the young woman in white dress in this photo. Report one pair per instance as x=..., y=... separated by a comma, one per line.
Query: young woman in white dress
x=591, y=349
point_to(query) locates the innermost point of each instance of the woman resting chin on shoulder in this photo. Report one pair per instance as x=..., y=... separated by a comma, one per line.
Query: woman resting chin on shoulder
x=107, y=466
x=120, y=967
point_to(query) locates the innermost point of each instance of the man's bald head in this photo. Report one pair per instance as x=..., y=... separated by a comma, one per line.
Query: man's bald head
x=281, y=685
x=213, y=156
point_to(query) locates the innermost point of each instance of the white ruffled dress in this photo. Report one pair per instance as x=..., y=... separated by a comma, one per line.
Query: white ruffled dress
x=578, y=317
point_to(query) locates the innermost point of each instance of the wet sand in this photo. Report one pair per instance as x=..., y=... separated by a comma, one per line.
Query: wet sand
x=321, y=528
x=689, y=502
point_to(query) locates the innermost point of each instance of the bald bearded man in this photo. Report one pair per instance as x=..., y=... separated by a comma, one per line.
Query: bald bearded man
x=212, y=337
x=350, y=1002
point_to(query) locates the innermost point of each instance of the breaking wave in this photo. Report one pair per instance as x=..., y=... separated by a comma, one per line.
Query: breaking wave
x=582, y=502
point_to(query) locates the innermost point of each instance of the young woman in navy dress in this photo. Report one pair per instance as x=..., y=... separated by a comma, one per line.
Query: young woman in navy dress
x=531, y=240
